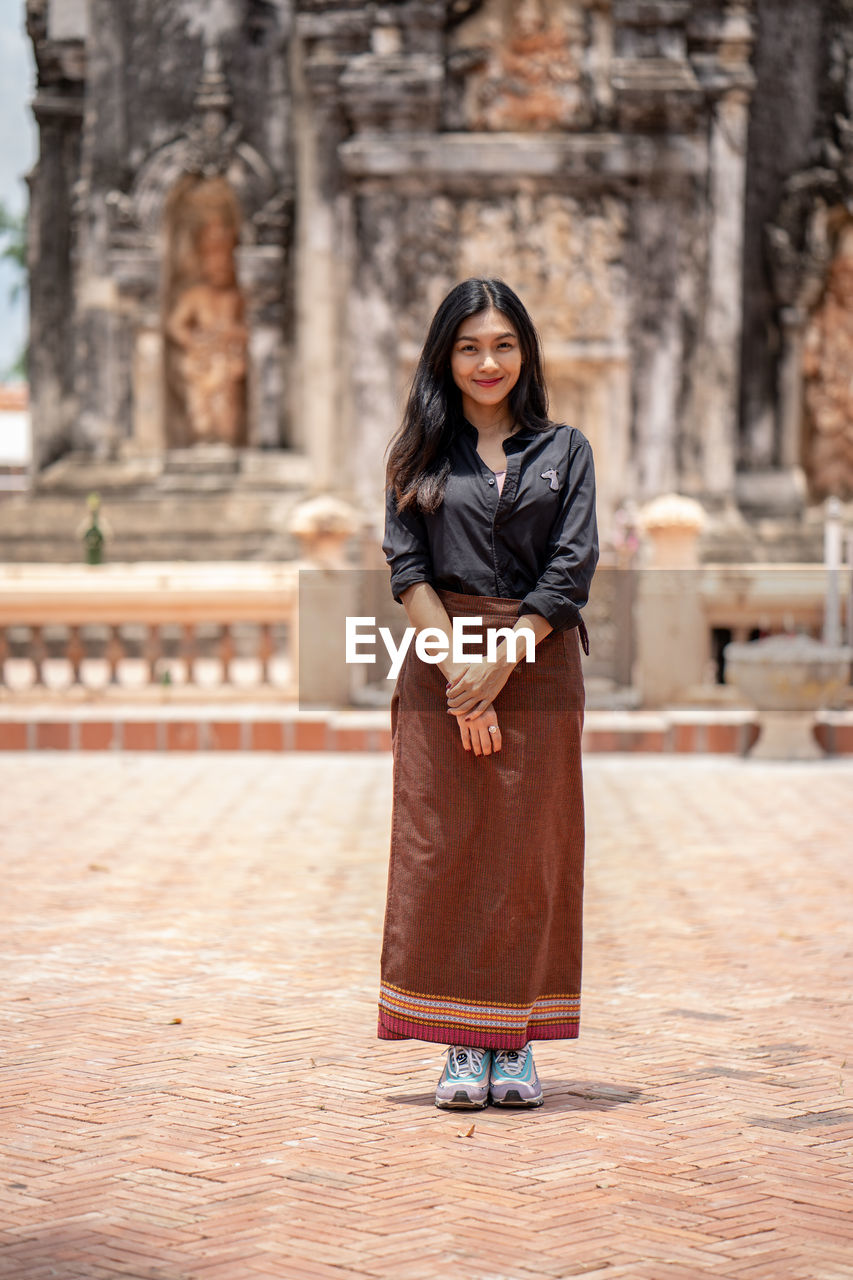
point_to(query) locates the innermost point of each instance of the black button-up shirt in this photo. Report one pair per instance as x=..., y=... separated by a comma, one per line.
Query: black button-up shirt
x=536, y=541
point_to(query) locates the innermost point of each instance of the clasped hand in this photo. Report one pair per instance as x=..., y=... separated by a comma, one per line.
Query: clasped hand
x=471, y=692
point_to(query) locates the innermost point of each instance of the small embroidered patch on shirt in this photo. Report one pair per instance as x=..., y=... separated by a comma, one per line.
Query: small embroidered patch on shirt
x=551, y=475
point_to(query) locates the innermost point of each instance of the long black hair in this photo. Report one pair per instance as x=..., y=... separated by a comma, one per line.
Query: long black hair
x=418, y=463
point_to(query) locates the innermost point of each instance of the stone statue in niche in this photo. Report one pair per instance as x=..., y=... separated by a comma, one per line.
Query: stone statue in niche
x=206, y=322
x=828, y=371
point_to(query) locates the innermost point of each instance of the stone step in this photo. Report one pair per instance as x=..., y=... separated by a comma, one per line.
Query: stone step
x=188, y=504
x=233, y=525
x=262, y=727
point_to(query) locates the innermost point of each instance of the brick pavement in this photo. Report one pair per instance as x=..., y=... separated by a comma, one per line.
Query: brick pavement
x=700, y=1127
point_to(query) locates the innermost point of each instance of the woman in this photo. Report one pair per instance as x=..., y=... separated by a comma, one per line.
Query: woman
x=490, y=514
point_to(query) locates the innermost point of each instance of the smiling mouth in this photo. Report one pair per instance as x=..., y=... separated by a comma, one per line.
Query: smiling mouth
x=488, y=382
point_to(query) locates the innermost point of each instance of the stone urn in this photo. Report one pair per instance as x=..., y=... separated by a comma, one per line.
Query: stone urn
x=788, y=678
x=324, y=524
x=672, y=524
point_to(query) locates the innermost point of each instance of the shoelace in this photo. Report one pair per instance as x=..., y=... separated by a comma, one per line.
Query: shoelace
x=465, y=1059
x=512, y=1061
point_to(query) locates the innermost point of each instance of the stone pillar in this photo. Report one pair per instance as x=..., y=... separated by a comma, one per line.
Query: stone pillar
x=723, y=324
x=373, y=335
x=103, y=335
x=58, y=109
x=720, y=50
x=260, y=272
x=658, y=382
x=390, y=89
x=148, y=392
x=320, y=265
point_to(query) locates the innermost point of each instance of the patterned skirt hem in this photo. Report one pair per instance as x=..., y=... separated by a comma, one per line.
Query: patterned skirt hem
x=394, y=1028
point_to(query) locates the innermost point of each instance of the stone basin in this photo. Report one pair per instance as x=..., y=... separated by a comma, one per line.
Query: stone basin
x=788, y=678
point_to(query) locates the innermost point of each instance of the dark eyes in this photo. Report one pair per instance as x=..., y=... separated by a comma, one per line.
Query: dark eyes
x=469, y=346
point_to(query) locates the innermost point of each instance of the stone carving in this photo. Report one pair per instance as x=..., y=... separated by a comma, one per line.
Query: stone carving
x=206, y=321
x=522, y=62
x=813, y=219
x=210, y=146
x=798, y=242
x=828, y=366
x=563, y=257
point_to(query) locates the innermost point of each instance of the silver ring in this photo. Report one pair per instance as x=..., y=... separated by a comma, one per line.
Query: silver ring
x=493, y=728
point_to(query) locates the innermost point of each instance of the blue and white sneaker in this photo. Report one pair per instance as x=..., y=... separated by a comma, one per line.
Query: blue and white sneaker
x=514, y=1082
x=464, y=1082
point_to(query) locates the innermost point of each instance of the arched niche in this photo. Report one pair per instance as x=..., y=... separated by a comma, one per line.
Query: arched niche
x=153, y=256
x=205, y=348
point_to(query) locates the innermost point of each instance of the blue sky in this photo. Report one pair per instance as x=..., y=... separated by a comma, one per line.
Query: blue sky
x=18, y=149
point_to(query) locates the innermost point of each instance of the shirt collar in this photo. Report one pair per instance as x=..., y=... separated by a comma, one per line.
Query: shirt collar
x=514, y=442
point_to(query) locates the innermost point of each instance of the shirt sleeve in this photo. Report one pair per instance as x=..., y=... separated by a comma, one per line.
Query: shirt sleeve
x=406, y=546
x=572, y=551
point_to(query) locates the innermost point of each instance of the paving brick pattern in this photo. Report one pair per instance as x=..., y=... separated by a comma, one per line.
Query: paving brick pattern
x=192, y=1089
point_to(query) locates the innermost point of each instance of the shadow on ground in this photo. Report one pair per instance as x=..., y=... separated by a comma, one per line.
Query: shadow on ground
x=559, y=1096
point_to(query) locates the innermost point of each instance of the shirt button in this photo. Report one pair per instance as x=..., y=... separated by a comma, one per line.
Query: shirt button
x=492, y=481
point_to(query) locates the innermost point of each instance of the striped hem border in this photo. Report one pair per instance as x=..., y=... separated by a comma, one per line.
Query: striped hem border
x=391, y=1028
x=413, y=1015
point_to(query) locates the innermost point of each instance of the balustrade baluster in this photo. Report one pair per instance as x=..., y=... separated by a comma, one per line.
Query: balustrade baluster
x=266, y=650
x=38, y=653
x=153, y=650
x=177, y=637
x=190, y=650
x=114, y=652
x=227, y=650
x=75, y=653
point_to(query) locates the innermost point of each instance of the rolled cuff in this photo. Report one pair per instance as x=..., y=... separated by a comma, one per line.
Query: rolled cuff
x=554, y=608
x=403, y=578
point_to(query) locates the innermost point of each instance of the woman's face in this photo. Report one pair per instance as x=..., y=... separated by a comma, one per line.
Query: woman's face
x=486, y=359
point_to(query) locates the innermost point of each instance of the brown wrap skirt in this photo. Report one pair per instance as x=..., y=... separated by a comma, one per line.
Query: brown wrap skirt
x=482, y=936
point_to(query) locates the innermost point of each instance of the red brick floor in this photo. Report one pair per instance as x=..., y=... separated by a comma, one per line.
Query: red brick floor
x=192, y=1089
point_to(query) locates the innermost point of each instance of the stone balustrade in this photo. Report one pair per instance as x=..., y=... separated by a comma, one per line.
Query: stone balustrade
x=683, y=616
x=125, y=629
x=192, y=630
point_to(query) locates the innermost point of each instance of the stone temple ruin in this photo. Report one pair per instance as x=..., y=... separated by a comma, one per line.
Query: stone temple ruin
x=245, y=211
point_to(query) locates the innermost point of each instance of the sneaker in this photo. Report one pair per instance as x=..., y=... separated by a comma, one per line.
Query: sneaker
x=464, y=1081
x=514, y=1082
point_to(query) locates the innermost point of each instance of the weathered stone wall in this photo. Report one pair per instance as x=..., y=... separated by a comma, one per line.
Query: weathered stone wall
x=600, y=155
x=144, y=64
x=592, y=155
x=101, y=189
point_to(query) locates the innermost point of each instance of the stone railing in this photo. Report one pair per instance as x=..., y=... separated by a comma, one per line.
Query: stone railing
x=679, y=612
x=187, y=631
x=179, y=629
